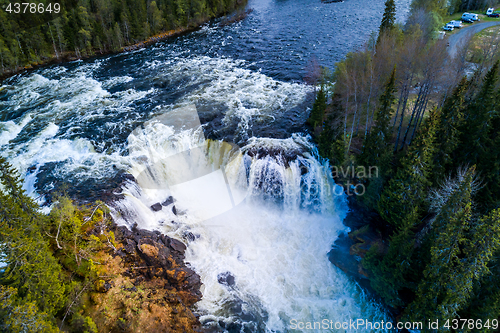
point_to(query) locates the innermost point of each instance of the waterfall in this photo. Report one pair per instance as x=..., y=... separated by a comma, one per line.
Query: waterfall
x=258, y=221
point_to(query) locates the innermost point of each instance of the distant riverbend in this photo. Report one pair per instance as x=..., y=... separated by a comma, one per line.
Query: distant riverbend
x=266, y=210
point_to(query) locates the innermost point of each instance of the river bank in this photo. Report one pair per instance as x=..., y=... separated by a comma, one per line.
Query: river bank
x=230, y=18
x=147, y=286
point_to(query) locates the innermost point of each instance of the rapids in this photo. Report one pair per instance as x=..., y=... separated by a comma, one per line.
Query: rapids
x=214, y=118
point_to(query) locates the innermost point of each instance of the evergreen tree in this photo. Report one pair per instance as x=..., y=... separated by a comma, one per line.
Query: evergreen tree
x=460, y=252
x=388, y=19
x=448, y=133
x=407, y=189
x=475, y=128
x=389, y=271
x=318, y=110
x=21, y=316
x=31, y=267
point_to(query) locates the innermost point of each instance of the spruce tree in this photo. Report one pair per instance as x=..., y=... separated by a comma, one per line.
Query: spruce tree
x=318, y=110
x=388, y=19
x=461, y=250
x=407, y=189
x=31, y=267
x=389, y=271
x=476, y=125
x=448, y=133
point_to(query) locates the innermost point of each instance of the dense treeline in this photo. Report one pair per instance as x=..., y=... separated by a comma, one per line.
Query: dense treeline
x=50, y=260
x=404, y=106
x=96, y=26
x=463, y=5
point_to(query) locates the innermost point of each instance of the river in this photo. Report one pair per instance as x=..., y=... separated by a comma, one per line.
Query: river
x=254, y=202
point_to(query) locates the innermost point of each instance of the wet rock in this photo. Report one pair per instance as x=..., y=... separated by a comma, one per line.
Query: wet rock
x=170, y=200
x=154, y=253
x=226, y=278
x=130, y=246
x=177, y=245
x=190, y=236
x=156, y=207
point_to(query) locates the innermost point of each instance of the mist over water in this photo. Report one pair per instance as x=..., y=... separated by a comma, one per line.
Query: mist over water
x=263, y=214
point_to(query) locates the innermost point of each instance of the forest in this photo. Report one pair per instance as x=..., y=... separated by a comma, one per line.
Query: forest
x=431, y=124
x=91, y=27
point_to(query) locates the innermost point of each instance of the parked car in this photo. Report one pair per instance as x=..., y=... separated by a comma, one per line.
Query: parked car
x=456, y=24
x=490, y=12
x=471, y=16
x=467, y=20
x=448, y=27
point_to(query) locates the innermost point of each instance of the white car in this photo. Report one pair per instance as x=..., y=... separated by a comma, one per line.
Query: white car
x=490, y=11
x=448, y=27
x=456, y=24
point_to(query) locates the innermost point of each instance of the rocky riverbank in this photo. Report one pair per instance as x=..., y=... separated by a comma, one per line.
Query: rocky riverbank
x=149, y=287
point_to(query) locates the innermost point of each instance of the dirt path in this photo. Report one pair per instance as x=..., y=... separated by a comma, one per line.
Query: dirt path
x=455, y=39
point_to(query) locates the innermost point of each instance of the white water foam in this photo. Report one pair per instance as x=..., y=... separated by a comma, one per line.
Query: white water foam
x=252, y=98
x=274, y=243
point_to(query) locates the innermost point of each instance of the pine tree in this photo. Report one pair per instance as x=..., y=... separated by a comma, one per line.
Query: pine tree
x=407, y=189
x=318, y=110
x=448, y=133
x=460, y=252
x=389, y=272
x=388, y=19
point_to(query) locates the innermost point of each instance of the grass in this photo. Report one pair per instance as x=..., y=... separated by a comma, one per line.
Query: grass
x=458, y=16
x=481, y=42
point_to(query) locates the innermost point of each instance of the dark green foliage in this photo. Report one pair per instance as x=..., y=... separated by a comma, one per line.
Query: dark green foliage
x=480, y=112
x=389, y=17
x=318, y=110
x=17, y=315
x=31, y=269
x=451, y=119
x=462, y=247
x=479, y=139
x=407, y=189
x=93, y=26
x=331, y=140
x=389, y=272
x=49, y=258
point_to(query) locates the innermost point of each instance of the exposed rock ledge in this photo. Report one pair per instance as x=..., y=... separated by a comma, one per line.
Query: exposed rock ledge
x=149, y=288
x=349, y=249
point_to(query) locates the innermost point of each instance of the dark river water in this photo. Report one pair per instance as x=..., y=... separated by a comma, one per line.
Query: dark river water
x=84, y=125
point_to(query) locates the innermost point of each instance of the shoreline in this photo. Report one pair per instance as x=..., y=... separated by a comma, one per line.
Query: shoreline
x=233, y=17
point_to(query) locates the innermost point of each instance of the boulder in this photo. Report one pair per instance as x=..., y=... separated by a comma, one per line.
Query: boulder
x=177, y=245
x=156, y=207
x=170, y=200
x=154, y=253
x=226, y=278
